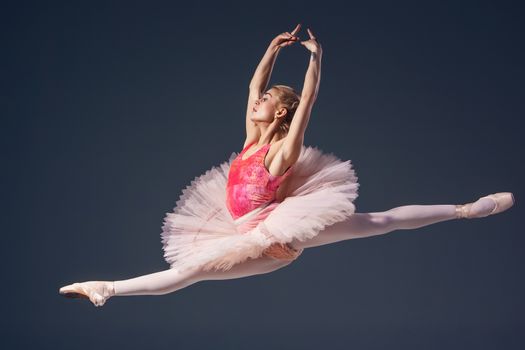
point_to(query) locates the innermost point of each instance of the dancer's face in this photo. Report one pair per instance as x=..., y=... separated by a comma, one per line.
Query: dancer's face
x=266, y=108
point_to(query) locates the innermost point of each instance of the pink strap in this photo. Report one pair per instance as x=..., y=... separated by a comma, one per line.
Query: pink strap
x=248, y=146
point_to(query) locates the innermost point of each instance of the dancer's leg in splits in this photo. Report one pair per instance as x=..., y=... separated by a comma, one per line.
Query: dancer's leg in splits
x=167, y=281
x=362, y=225
x=357, y=226
x=404, y=217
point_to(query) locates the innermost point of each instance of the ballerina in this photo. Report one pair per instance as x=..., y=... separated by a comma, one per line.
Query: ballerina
x=258, y=211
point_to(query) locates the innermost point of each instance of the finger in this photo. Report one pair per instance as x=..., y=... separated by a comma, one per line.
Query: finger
x=311, y=34
x=296, y=30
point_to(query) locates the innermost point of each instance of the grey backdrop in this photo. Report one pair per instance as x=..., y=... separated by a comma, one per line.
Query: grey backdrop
x=111, y=109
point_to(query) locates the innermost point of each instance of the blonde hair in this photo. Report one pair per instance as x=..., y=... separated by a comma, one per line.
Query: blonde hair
x=289, y=99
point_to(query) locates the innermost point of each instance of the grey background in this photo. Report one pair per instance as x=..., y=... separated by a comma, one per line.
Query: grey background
x=110, y=109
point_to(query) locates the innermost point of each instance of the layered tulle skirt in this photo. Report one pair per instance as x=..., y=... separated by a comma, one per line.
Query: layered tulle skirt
x=201, y=233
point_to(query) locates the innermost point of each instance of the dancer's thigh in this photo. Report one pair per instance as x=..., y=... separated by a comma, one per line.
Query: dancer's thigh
x=358, y=225
x=249, y=267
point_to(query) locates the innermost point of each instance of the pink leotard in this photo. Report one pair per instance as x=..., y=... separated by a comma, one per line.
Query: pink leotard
x=250, y=184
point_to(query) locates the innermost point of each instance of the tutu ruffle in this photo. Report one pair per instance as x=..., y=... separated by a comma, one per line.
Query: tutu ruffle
x=200, y=232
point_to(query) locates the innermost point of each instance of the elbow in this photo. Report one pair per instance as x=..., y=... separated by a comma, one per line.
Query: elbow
x=309, y=93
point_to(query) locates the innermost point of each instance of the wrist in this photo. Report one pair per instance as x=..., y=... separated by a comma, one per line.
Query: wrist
x=315, y=55
x=273, y=46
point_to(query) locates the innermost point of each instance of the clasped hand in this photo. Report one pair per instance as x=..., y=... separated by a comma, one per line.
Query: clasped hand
x=287, y=39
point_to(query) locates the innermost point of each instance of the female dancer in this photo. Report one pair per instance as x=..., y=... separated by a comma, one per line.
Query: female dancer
x=257, y=212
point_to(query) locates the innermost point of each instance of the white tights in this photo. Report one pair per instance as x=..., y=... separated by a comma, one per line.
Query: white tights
x=358, y=225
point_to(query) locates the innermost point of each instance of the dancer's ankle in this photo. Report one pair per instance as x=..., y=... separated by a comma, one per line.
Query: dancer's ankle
x=111, y=288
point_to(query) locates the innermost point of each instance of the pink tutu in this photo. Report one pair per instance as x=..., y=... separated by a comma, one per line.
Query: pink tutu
x=200, y=232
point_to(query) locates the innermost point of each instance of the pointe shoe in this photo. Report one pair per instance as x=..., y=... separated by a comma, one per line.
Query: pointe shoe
x=96, y=291
x=502, y=201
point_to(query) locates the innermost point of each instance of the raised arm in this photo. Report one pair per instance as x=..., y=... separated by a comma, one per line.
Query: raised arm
x=261, y=77
x=294, y=140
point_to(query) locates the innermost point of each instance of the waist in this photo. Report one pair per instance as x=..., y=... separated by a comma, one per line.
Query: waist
x=251, y=214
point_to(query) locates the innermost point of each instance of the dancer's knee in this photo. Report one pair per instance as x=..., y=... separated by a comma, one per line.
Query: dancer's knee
x=383, y=220
x=250, y=267
x=373, y=224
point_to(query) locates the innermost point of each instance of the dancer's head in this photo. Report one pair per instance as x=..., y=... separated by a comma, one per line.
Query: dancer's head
x=289, y=100
x=277, y=105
